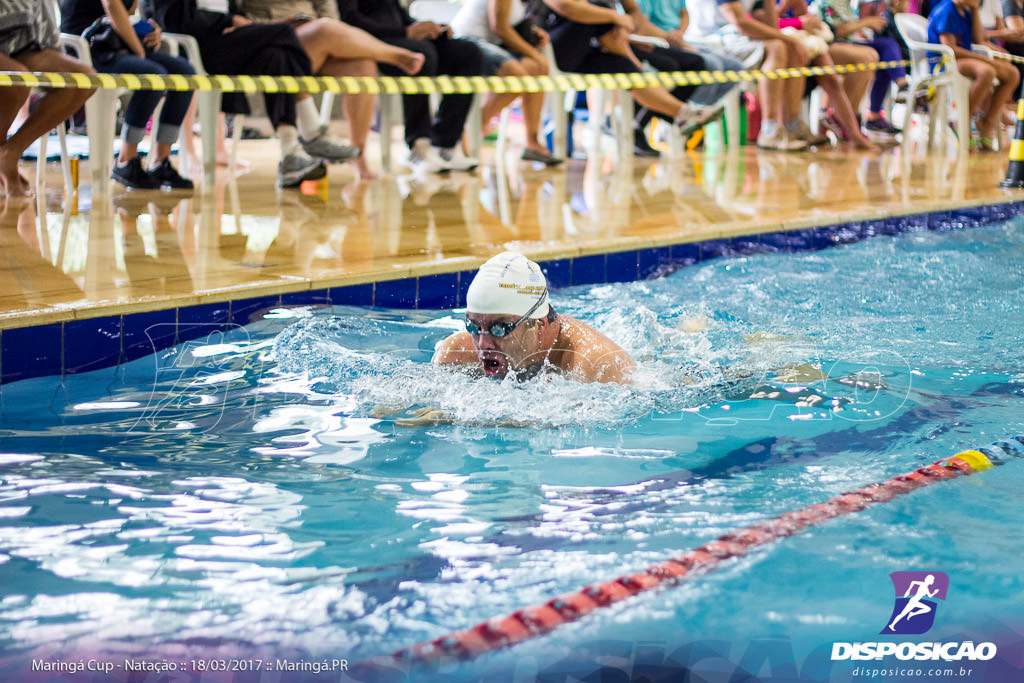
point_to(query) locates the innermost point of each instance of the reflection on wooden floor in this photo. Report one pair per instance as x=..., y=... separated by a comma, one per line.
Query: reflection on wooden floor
x=134, y=251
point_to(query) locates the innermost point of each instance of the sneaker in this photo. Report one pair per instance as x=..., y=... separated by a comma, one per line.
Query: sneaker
x=779, y=139
x=693, y=116
x=541, y=157
x=296, y=168
x=881, y=128
x=167, y=176
x=641, y=147
x=423, y=158
x=830, y=123
x=131, y=174
x=325, y=147
x=457, y=161
x=804, y=132
x=901, y=93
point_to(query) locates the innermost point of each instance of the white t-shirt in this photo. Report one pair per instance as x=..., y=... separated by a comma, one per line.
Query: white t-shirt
x=219, y=6
x=706, y=17
x=474, y=19
x=990, y=10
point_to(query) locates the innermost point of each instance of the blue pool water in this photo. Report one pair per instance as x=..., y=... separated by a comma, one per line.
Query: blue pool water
x=242, y=495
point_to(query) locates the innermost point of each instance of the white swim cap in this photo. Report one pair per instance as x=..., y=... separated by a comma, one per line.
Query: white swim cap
x=508, y=284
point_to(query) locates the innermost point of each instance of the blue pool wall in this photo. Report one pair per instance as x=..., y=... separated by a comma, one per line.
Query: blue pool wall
x=77, y=346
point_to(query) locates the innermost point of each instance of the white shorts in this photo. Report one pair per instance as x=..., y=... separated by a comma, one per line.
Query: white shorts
x=727, y=40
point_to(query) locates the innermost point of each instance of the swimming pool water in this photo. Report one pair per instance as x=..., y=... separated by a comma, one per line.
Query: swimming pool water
x=243, y=493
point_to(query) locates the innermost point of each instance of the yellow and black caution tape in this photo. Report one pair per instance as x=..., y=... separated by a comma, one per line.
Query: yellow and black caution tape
x=1008, y=57
x=416, y=85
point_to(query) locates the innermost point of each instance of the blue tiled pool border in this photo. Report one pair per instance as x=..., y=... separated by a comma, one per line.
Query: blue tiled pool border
x=82, y=345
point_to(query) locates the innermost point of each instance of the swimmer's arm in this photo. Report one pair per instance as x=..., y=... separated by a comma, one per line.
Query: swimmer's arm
x=456, y=350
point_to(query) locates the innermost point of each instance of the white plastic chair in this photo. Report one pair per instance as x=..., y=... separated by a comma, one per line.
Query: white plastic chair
x=100, y=116
x=946, y=80
x=208, y=102
x=560, y=103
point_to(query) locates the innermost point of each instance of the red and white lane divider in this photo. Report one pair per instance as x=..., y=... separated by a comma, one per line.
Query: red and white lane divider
x=535, y=621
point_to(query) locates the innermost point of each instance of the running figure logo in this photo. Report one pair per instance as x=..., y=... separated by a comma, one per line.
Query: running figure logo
x=914, y=612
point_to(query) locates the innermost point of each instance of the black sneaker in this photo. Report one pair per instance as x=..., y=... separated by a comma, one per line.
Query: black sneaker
x=167, y=176
x=132, y=175
x=641, y=147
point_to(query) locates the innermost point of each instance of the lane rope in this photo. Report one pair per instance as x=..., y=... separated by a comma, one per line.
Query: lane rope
x=417, y=85
x=531, y=622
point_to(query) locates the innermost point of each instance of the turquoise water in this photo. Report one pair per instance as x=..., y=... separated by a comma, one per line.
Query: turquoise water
x=240, y=493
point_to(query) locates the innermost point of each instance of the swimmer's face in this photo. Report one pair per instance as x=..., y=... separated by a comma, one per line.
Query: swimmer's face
x=501, y=355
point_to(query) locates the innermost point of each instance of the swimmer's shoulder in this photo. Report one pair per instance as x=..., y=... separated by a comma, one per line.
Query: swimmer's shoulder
x=456, y=349
x=594, y=357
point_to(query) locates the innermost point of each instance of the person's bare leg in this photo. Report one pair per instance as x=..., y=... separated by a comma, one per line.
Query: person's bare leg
x=855, y=84
x=988, y=124
x=10, y=105
x=842, y=107
x=498, y=101
x=533, y=107
x=326, y=38
x=660, y=100
x=53, y=108
x=359, y=109
x=982, y=75
x=771, y=91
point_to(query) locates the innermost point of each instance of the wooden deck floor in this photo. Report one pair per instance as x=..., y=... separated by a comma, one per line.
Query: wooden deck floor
x=133, y=251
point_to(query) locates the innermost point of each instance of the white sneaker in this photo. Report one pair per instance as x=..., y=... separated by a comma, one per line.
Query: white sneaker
x=457, y=161
x=426, y=159
x=780, y=140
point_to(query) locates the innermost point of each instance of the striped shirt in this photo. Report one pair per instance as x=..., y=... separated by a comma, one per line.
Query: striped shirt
x=27, y=23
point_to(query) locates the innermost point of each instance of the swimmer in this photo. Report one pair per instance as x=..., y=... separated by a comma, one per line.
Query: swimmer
x=512, y=329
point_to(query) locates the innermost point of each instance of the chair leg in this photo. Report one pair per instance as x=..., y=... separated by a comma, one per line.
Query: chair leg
x=962, y=98
x=596, y=100
x=65, y=160
x=390, y=105
x=732, y=116
x=559, y=105
x=624, y=126
x=326, y=107
x=474, y=124
x=41, y=160
x=502, y=142
x=100, y=114
x=209, y=109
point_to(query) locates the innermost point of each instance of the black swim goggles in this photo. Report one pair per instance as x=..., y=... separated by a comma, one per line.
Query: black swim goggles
x=504, y=329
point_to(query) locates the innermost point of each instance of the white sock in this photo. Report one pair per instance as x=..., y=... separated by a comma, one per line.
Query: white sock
x=308, y=118
x=288, y=136
x=769, y=126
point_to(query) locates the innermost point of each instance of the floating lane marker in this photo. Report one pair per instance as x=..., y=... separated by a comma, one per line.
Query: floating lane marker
x=538, y=620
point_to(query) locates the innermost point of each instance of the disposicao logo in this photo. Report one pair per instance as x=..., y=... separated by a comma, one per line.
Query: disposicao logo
x=913, y=613
x=916, y=592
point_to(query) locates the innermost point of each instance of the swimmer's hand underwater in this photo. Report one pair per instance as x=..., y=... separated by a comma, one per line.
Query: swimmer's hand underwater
x=425, y=417
x=420, y=417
